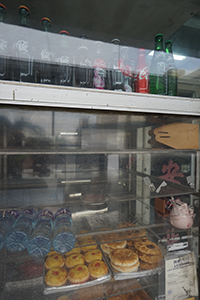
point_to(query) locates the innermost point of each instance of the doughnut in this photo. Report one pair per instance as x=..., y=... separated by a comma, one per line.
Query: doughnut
x=94, y=254
x=78, y=274
x=97, y=268
x=74, y=260
x=55, y=260
x=123, y=257
x=147, y=247
x=56, y=277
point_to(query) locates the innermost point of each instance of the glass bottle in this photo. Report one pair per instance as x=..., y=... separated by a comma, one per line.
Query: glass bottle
x=83, y=69
x=99, y=68
x=64, y=67
x=141, y=77
x=4, y=69
x=128, y=70
x=158, y=68
x=24, y=52
x=171, y=76
x=116, y=68
x=46, y=70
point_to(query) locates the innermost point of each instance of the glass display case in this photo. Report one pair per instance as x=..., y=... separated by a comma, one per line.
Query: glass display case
x=124, y=163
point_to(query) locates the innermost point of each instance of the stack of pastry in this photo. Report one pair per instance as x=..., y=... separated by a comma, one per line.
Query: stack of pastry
x=132, y=234
x=111, y=241
x=124, y=260
x=56, y=274
x=149, y=253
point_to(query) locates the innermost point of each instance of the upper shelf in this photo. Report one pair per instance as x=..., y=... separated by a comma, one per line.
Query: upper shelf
x=16, y=93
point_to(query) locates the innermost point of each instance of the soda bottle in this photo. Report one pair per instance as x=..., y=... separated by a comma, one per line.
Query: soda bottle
x=4, y=69
x=17, y=240
x=24, y=53
x=83, y=69
x=157, y=75
x=99, y=68
x=40, y=242
x=171, y=76
x=6, y=224
x=141, y=76
x=64, y=67
x=46, y=74
x=116, y=68
x=63, y=237
x=128, y=70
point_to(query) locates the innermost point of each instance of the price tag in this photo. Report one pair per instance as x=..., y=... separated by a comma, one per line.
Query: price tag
x=180, y=276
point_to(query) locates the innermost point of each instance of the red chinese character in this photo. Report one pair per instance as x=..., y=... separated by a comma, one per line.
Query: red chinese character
x=171, y=172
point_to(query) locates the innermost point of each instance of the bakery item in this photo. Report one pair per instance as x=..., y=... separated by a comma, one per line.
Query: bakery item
x=151, y=259
x=78, y=274
x=127, y=234
x=123, y=257
x=94, y=254
x=148, y=266
x=125, y=269
x=55, y=260
x=56, y=277
x=147, y=247
x=74, y=260
x=106, y=249
x=97, y=268
x=132, y=296
x=75, y=250
x=84, y=237
x=89, y=293
x=130, y=243
x=116, y=298
x=88, y=244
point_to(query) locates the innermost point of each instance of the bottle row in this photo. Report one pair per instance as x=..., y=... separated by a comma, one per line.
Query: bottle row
x=37, y=232
x=29, y=55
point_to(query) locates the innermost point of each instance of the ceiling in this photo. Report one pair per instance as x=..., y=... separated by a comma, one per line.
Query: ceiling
x=135, y=23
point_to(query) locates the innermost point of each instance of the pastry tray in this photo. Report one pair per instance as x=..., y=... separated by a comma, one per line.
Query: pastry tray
x=70, y=287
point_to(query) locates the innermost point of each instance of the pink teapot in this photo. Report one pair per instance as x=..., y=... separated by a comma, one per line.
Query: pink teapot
x=181, y=215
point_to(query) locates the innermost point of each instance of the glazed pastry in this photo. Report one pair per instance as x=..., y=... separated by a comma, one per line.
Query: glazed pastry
x=74, y=260
x=147, y=247
x=123, y=257
x=123, y=269
x=75, y=250
x=94, y=254
x=55, y=260
x=56, y=277
x=88, y=244
x=78, y=274
x=97, y=268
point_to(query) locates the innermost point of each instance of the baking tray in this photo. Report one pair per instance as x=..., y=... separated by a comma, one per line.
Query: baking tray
x=70, y=287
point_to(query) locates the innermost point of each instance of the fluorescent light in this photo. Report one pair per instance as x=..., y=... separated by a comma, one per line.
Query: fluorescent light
x=176, y=56
x=68, y=133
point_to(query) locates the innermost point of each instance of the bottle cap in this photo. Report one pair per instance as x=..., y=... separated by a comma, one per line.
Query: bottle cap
x=46, y=19
x=3, y=6
x=23, y=6
x=64, y=32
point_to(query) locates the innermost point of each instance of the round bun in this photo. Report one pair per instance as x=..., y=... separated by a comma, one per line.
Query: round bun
x=97, y=268
x=151, y=259
x=121, y=269
x=147, y=247
x=88, y=244
x=56, y=277
x=74, y=260
x=123, y=257
x=106, y=249
x=78, y=274
x=147, y=266
x=92, y=255
x=75, y=250
x=55, y=260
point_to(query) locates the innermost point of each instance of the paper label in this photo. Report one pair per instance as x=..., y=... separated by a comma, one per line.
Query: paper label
x=181, y=277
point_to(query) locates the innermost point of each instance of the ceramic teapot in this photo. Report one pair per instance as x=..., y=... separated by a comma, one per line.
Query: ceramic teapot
x=181, y=215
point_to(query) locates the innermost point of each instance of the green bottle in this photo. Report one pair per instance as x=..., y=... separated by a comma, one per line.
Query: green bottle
x=24, y=14
x=158, y=68
x=3, y=12
x=171, y=77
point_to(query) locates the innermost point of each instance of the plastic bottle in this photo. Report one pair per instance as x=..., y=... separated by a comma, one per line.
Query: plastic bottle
x=157, y=77
x=64, y=67
x=83, y=69
x=17, y=239
x=6, y=224
x=116, y=68
x=22, y=66
x=99, y=68
x=141, y=76
x=40, y=242
x=4, y=65
x=171, y=76
x=63, y=237
x=46, y=68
